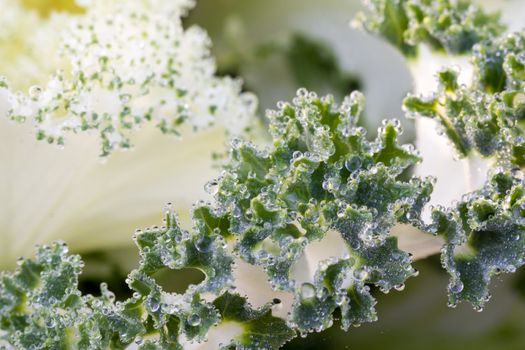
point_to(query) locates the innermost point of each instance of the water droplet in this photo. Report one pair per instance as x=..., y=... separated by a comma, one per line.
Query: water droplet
x=399, y=287
x=204, y=244
x=50, y=323
x=194, y=320
x=35, y=91
x=302, y=92
x=478, y=308
x=212, y=187
x=360, y=274
x=125, y=98
x=456, y=287
x=516, y=212
x=154, y=305
x=236, y=212
x=307, y=291
x=353, y=163
x=340, y=299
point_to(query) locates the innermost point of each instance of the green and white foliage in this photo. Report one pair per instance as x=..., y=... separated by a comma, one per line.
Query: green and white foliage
x=321, y=181
x=433, y=35
x=42, y=308
x=486, y=116
x=484, y=235
x=123, y=64
x=121, y=78
x=321, y=177
x=451, y=26
x=483, y=118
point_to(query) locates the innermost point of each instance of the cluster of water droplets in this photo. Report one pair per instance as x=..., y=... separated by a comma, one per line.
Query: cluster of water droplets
x=322, y=174
x=484, y=234
x=323, y=178
x=450, y=26
x=484, y=229
x=128, y=65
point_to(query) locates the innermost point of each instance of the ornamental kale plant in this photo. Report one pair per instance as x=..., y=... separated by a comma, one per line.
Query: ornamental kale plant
x=93, y=97
x=300, y=230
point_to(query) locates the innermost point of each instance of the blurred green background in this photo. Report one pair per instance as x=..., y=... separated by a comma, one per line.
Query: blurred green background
x=278, y=46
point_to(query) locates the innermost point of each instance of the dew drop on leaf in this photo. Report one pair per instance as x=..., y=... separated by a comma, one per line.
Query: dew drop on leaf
x=204, y=244
x=194, y=320
x=456, y=287
x=307, y=291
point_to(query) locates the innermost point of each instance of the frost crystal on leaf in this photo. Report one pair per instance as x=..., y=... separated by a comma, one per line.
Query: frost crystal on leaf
x=124, y=64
